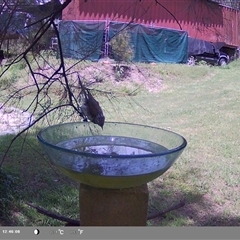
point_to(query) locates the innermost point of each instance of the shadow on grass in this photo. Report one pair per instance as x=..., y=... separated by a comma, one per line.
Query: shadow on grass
x=199, y=209
x=36, y=181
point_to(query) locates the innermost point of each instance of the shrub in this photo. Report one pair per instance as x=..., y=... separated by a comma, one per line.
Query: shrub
x=121, y=47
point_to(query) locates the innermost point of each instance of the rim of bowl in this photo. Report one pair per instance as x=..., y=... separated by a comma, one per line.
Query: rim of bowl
x=96, y=155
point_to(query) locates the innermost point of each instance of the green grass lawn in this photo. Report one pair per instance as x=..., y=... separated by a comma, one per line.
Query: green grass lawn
x=201, y=103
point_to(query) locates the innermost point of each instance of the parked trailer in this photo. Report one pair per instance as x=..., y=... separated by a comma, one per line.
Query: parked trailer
x=213, y=53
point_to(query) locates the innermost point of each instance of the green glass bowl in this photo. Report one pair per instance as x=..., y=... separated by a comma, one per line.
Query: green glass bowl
x=122, y=155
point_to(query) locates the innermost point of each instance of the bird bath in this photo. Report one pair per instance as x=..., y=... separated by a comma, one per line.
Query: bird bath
x=113, y=166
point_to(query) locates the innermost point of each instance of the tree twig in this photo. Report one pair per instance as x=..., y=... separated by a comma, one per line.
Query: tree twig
x=74, y=222
x=160, y=214
x=45, y=212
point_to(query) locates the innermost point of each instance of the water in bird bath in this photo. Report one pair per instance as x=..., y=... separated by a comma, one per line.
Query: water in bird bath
x=114, y=156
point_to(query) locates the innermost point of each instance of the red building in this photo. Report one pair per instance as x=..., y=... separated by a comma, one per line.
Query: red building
x=202, y=19
x=206, y=20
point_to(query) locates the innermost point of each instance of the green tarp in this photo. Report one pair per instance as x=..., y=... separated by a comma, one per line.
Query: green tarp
x=86, y=40
x=81, y=40
x=154, y=44
x=12, y=23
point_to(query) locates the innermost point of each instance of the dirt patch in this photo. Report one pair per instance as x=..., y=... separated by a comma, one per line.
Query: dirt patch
x=122, y=75
x=13, y=120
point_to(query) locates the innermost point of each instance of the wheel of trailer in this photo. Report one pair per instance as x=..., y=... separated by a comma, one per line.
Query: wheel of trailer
x=222, y=62
x=191, y=61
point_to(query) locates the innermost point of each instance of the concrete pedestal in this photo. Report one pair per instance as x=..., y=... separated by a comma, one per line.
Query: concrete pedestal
x=113, y=207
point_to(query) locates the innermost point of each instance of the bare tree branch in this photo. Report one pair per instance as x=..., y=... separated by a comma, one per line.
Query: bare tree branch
x=25, y=129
